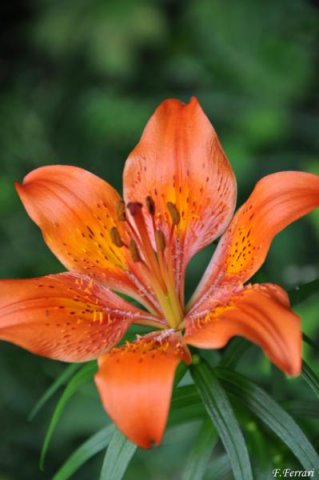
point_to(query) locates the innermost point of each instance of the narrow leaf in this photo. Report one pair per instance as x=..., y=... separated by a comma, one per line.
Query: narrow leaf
x=272, y=414
x=61, y=380
x=118, y=457
x=198, y=459
x=236, y=349
x=219, y=469
x=87, y=450
x=186, y=406
x=303, y=292
x=310, y=377
x=221, y=413
x=310, y=342
x=81, y=377
x=303, y=408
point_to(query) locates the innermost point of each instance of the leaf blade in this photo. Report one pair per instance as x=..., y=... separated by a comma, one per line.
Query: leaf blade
x=310, y=377
x=82, y=376
x=198, y=458
x=221, y=414
x=84, y=452
x=118, y=457
x=60, y=380
x=272, y=414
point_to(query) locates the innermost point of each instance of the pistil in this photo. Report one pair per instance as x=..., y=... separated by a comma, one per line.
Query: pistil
x=157, y=267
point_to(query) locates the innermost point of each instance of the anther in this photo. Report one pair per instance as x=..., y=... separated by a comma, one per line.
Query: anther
x=134, y=208
x=116, y=237
x=160, y=240
x=174, y=213
x=135, y=254
x=150, y=205
x=120, y=211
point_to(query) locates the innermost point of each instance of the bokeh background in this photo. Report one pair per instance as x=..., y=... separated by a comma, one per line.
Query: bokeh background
x=79, y=79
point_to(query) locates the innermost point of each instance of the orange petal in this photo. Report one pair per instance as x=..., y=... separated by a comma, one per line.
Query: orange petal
x=135, y=383
x=260, y=313
x=66, y=317
x=179, y=159
x=277, y=200
x=76, y=211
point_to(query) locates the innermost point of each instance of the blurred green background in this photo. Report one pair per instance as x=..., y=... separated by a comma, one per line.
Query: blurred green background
x=79, y=79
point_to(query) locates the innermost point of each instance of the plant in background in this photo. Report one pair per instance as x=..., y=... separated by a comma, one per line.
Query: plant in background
x=179, y=196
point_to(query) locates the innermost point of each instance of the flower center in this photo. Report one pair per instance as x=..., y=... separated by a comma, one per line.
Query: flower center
x=154, y=257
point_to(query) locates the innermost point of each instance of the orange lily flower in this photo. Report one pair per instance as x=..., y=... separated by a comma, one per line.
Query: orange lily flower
x=179, y=196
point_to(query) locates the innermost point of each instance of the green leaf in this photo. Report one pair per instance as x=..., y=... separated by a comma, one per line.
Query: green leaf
x=310, y=342
x=233, y=353
x=118, y=457
x=61, y=380
x=219, y=469
x=180, y=372
x=221, y=413
x=198, y=459
x=310, y=377
x=87, y=450
x=186, y=406
x=303, y=292
x=272, y=414
x=303, y=408
x=81, y=377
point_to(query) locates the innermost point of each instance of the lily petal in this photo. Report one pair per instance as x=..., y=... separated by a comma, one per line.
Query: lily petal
x=277, y=200
x=179, y=159
x=262, y=314
x=135, y=383
x=66, y=317
x=76, y=212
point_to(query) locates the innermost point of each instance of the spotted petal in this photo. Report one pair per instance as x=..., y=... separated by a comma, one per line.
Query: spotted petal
x=135, y=383
x=179, y=159
x=66, y=317
x=76, y=211
x=277, y=200
x=262, y=314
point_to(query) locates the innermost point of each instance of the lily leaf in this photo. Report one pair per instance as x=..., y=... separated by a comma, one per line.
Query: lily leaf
x=61, y=380
x=310, y=377
x=223, y=418
x=310, y=342
x=81, y=377
x=118, y=457
x=186, y=406
x=198, y=459
x=87, y=450
x=220, y=468
x=236, y=349
x=272, y=414
x=303, y=292
x=303, y=408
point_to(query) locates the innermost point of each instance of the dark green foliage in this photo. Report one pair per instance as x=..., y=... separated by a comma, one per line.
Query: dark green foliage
x=79, y=79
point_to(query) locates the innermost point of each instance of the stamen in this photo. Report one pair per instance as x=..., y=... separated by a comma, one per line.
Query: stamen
x=135, y=254
x=174, y=213
x=150, y=205
x=134, y=208
x=160, y=240
x=116, y=237
x=120, y=211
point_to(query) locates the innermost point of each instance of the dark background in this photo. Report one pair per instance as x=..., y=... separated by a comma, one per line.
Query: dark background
x=79, y=79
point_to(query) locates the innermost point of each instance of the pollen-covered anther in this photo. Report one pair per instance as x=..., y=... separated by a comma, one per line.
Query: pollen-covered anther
x=134, y=208
x=116, y=237
x=120, y=211
x=160, y=240
x=134, y=251
x=150, y=205
x=174, y=213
